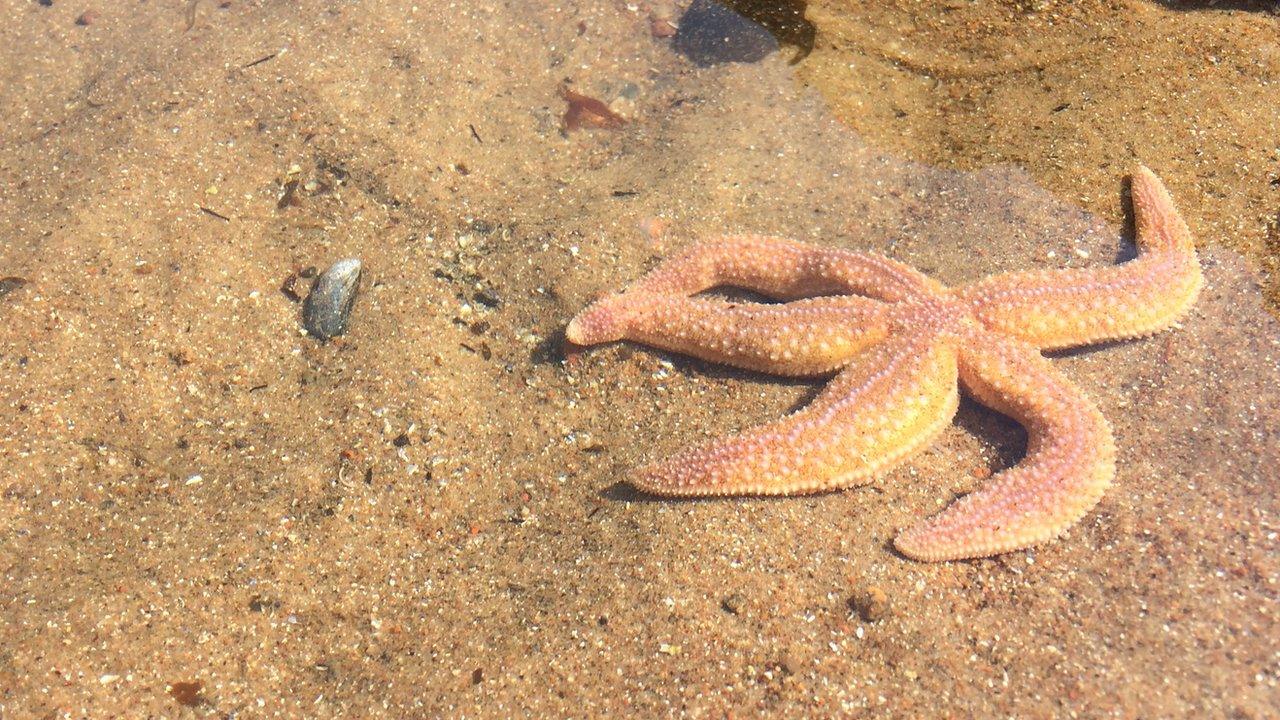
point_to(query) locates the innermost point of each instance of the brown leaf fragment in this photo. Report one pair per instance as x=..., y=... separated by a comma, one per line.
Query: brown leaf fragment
x=187, y=693
x=588, y=112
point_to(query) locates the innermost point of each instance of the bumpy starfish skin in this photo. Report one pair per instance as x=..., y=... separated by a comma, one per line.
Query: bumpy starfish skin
x=898, y=342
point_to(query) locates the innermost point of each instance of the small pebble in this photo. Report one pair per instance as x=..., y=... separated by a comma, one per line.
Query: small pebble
x=327, y=309
x=9, y=284
x=487, y=297
x=794, y=658
x=734, y=603
x=661, y=27
x=871, y=603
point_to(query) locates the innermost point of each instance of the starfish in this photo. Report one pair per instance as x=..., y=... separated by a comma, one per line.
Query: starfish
x=896, y=342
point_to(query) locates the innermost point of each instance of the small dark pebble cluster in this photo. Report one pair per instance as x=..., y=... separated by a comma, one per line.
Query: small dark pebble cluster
x=289, y=288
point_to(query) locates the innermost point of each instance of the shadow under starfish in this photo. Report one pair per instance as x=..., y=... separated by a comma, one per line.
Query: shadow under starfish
x=897, y=341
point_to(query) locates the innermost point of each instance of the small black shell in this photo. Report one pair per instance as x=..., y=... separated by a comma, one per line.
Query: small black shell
x=327, y=308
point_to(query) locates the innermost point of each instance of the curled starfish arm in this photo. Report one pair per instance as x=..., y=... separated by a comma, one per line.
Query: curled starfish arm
x=891, y=401
x=782, y=269
x=1070, y=458
x=800, y=338
x=1066, y=308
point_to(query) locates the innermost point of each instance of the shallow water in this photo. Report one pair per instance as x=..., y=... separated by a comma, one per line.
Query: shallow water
x=206, y=512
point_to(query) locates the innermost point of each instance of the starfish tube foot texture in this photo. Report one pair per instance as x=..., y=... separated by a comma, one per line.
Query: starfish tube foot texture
x=899, y=345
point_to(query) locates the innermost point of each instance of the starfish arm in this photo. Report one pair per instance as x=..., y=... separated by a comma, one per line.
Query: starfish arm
x=1065, y=308
x=800, y=338
x=782, y=269
x=1069, y=464
x=889, y=403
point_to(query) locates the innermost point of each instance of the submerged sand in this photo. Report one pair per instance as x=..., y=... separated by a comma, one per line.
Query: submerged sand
x=207, y=513
x=1071, y=91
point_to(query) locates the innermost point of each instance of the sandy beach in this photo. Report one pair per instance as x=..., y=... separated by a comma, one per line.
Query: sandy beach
x=206, y=512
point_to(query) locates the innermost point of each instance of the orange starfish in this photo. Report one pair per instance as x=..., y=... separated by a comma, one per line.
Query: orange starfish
x=897, y=341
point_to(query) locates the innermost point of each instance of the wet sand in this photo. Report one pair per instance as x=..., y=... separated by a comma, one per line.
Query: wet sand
x=1070, y=91
x=207, y=513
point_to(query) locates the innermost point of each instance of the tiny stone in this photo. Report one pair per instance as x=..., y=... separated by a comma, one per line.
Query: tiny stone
x=871, y=603
x=9, y=284
x=260, y=604
x=794, y=658
x=487, y=297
